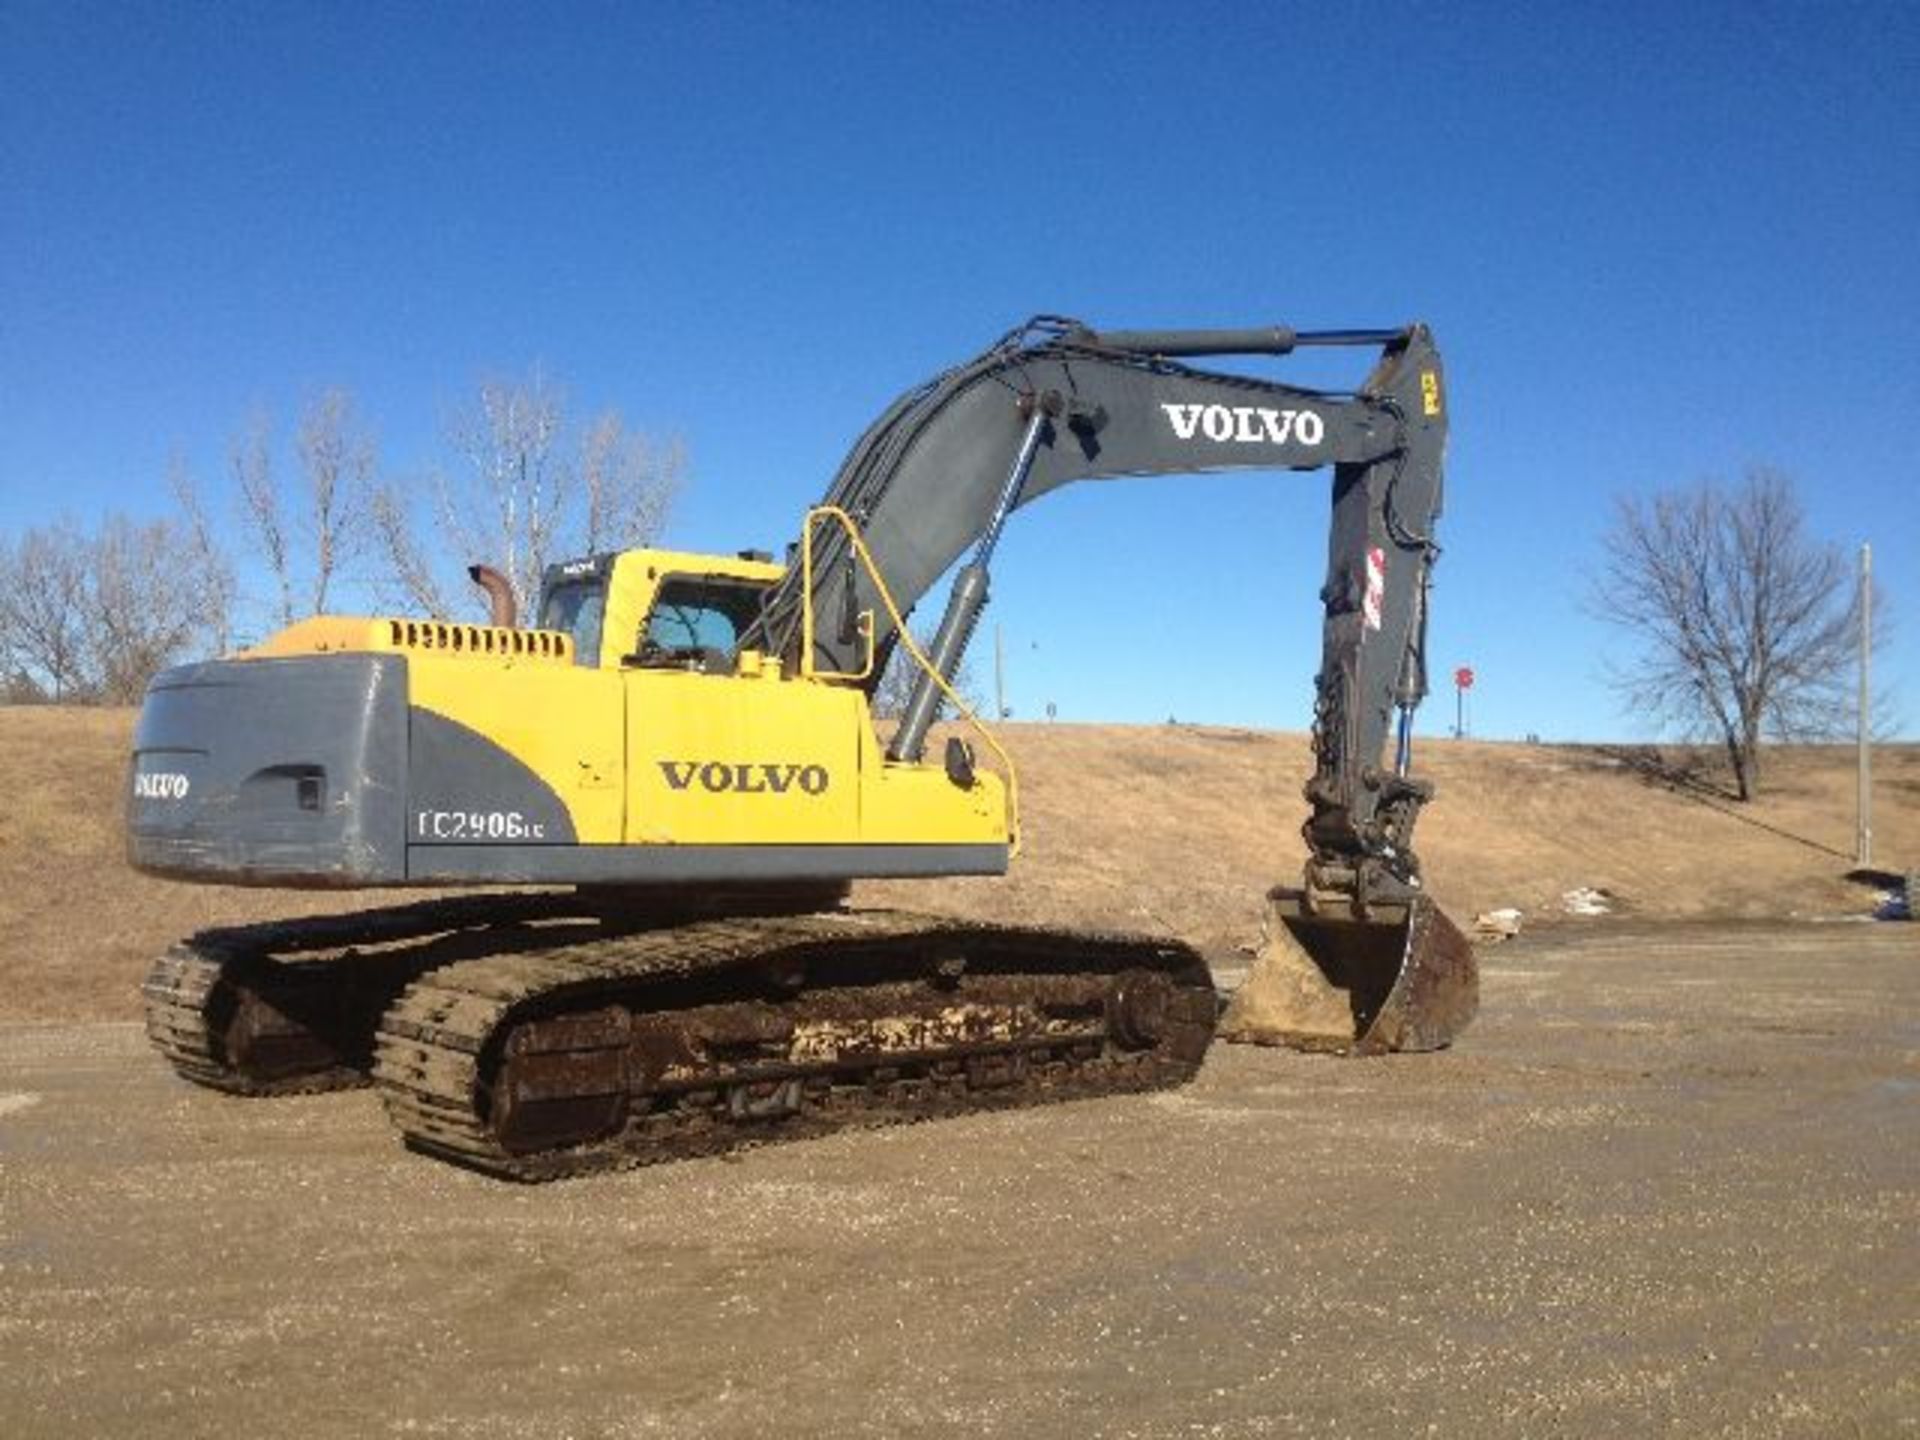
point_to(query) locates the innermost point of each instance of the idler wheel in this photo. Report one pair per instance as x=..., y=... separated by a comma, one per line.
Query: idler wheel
x=1137, y=1008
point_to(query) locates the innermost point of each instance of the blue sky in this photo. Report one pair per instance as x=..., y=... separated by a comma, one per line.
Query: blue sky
x=1655, y=242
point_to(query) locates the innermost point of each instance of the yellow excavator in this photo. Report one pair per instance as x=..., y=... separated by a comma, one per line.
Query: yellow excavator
x=678, y=766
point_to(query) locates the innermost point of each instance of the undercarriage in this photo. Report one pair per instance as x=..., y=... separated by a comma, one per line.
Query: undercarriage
x=530, y=1037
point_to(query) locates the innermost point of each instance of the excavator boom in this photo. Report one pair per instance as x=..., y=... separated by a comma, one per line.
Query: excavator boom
x=1055, y=402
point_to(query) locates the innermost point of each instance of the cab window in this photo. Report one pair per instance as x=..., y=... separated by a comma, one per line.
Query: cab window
x=578, y=607
x=697, y=622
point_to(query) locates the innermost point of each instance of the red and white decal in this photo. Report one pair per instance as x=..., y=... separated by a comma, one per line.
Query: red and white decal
x=1376, y=587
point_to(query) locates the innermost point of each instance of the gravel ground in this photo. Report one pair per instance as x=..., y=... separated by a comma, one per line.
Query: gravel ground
x=1668, y=1184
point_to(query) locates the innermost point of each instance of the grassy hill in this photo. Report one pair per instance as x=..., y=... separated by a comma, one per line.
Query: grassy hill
x=1171, y=829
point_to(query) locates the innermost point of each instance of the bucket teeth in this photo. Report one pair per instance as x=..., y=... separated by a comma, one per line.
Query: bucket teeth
x=1402, y=978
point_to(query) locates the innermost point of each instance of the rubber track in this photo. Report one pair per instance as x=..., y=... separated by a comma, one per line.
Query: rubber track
x=434, y=1043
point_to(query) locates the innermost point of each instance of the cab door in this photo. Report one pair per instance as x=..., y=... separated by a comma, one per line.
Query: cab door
x=722, y=748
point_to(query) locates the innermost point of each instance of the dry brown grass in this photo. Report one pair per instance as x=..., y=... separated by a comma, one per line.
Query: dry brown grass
x=1170, y=829
x=1182, y=828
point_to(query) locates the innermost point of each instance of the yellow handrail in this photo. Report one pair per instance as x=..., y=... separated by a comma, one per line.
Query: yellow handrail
x=847, y=523
x=865, y=621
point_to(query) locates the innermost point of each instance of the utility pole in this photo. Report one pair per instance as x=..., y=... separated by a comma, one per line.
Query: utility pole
x=1863, y=840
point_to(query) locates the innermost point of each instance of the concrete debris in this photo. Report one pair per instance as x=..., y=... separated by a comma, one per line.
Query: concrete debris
x=1497, y=925
x=1584, y=900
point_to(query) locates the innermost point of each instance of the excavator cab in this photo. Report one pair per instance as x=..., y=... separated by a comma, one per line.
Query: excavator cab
x=656, y=609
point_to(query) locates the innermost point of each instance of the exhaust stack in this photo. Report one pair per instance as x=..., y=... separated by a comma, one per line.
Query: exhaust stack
x=501, y=609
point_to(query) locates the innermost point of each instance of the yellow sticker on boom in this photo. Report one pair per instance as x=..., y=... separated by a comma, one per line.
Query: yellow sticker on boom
x=1430, y=391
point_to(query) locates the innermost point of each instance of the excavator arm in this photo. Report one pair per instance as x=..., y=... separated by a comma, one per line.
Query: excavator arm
x=1055, y=402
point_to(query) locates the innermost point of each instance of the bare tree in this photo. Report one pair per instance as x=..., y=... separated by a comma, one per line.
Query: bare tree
x=412, y=581
x=628, y=481
x=512, y=478
x=525, y=488
x=17, y=687
x=43, y=612
x=207, y=560
x=144, y=607
x=89, y=618
x=337, y=459
x=305, y=536
x=1746, y=625
x=250, y=458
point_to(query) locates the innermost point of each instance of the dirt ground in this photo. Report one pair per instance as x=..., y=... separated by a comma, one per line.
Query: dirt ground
x=1668, y=1184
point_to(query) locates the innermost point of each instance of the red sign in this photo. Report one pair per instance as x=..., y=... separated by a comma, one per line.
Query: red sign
x=1463, y=677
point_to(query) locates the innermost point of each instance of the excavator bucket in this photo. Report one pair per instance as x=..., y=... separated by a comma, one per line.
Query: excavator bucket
x=1402, y=978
